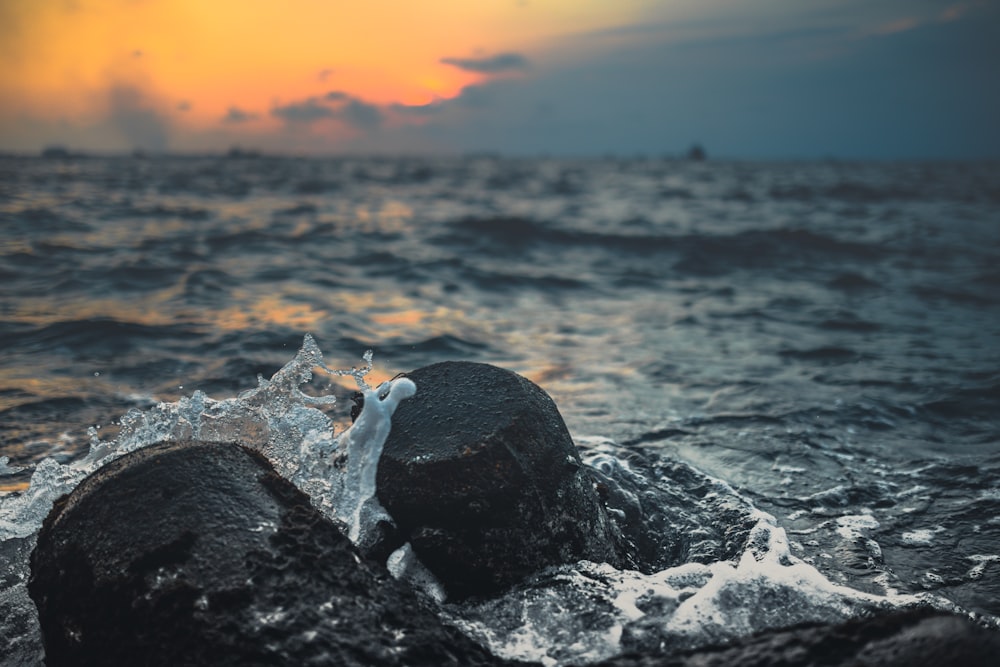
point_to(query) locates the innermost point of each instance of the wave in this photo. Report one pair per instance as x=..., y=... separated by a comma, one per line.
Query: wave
x=445, y=344
x=847, y=321
x=824, y=355
x=848, y=191
x=501, y=281
x=850, y=281
x=159, y=212
x=98, y=336
x=35, y=219
x=979, y=401
x=507, y=233
x=132, y=275
x=304, y=208
x=698, y=254
x=956, y=295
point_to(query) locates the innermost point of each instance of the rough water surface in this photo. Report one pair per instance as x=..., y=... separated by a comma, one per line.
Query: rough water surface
x=790, y=372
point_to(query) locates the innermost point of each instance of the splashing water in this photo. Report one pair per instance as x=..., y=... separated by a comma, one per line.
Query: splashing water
x=276, y=418
x=357, y=506
x=733, y=576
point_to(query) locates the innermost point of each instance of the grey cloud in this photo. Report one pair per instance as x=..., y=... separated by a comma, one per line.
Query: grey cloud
x=472, y=97
x=800, y=90
x=430, y=109
x=184, y=105
x=305, y=112
x=136, y=119
x=502, y=62
x=360, y=114
x=335, y=104
x=236, y=115
x=475, y=97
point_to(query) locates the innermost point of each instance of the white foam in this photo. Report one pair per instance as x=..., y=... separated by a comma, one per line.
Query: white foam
x=981, y=561
x=583, y=612
x=850, y=526
x=921, y=537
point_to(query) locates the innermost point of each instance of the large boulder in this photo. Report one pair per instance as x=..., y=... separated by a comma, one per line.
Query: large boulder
x=483, y=480
x=195, y=553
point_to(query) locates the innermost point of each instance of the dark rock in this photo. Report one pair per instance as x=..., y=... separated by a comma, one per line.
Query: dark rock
x=919, y=638
x=482, y=478
x=195, y=553
x=697, y=153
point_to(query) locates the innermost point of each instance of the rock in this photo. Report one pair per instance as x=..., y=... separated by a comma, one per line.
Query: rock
x=483, y=480
x=196, y=553
x=696, y=153
x=916, y=638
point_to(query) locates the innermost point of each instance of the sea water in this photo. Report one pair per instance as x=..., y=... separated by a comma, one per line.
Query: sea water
x=790, y=373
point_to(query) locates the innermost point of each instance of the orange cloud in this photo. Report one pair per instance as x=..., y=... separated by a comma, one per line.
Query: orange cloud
x=204, y=63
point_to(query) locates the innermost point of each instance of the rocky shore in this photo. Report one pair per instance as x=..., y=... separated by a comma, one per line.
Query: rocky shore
x=200, y=553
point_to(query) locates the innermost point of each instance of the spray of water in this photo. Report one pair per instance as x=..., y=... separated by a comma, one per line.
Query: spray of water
x=276, y=418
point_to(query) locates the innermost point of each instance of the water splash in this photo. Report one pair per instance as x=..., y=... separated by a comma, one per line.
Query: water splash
x=357, y=506
x=276, y=417
x=732, y=574
x=6, y=468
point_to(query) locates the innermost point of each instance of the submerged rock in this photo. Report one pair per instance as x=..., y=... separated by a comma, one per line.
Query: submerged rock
x=196, y=553
x=920, y=638
x=483, y=480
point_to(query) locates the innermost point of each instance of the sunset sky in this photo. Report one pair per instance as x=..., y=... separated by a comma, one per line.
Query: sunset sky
x=747, y=78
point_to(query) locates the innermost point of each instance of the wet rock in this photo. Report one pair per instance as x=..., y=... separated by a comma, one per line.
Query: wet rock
x=483, y=480
x=195, y=553
x=921, y=638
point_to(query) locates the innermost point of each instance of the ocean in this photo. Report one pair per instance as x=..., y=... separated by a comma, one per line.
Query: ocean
x=789, y=371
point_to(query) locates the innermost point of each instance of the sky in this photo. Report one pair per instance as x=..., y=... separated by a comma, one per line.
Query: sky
x=752, y=79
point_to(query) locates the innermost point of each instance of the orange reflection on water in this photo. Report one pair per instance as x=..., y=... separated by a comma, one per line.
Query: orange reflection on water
x=157, y=310
x=374, y=378
x=151, y=311
x=29, y=388
x=411, y=323
x=269, y=310
x=549, y=373
x=14, y=487
x=363, y=302
x=405, y=317
x=392, y=217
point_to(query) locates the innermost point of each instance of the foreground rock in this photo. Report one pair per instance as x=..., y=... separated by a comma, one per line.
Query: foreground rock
x=194, y=553
x=921, y=638
x=482, y=478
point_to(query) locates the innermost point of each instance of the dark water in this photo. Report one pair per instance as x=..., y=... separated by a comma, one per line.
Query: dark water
x=824, y=337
